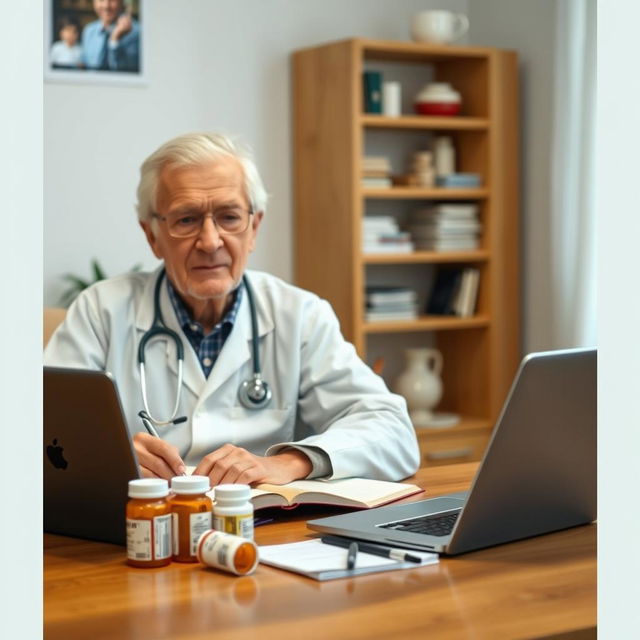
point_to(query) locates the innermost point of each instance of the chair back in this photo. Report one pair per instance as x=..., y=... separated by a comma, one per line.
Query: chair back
x=53, y=316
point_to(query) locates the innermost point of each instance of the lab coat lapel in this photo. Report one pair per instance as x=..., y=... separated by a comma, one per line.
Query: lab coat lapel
x=193, y=377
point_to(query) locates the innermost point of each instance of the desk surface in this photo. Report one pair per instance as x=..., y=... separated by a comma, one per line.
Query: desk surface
x=527, y=589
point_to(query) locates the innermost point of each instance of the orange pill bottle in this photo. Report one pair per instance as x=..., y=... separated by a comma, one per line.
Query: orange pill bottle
x=191, y=512
x=148, y=523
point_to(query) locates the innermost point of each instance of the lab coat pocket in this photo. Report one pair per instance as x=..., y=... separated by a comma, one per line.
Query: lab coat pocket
x=257, y=430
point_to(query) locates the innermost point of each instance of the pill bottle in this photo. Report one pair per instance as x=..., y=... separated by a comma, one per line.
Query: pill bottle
x=233, y=510
x=148, y=523
x=191, y=513
x=228, y=552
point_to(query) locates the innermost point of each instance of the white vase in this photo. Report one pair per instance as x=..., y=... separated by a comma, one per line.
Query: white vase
x=420, y=384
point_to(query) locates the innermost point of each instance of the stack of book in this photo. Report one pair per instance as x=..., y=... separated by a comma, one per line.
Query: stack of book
x=455, y=292
x=390, y=303
x=446, y=227
x=376, y=172
x=382, y=235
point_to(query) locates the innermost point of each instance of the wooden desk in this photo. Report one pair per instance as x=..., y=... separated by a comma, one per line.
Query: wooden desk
x=529, y=589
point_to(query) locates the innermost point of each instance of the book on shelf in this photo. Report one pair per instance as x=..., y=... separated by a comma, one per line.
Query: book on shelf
x=443, y=225
x=355, y=493
x=382, y=235
x=376, y=183
x=372, y=87
x=443, y=293
x=445, y=210
x=439, y=244
x=454, y=292
x=388, y=294
x=376, y=315
x=379, y=247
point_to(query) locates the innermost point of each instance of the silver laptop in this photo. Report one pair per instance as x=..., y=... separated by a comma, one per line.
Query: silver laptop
x=538, y=474
x=88, y=456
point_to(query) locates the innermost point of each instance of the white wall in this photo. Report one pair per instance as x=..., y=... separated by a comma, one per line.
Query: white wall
x=212, y=65
x=225, y=65
x=528, y=26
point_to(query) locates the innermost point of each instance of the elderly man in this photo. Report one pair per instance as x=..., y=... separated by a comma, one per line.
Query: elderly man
x=201, y=203
x=112, y=42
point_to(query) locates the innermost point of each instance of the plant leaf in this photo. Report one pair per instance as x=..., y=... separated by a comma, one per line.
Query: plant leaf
x=98, y=273
x=78, y=283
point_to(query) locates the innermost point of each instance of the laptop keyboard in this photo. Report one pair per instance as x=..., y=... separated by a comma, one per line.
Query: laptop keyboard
x=438, y=525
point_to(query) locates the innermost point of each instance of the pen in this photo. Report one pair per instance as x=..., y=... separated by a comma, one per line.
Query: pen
x=351, y=555
x=376, y=550
x=149, y=427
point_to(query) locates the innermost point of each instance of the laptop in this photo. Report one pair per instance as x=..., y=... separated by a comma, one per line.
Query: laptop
x=88, y=456
x=538, y=473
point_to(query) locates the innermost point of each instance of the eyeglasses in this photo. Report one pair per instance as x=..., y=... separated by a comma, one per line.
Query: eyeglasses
x=187, y=224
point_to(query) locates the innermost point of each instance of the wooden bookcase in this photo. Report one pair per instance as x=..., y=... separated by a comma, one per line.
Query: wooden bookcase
x=330, y=137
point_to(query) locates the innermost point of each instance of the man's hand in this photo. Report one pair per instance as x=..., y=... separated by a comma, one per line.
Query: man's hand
x=124, y=24
x=233, y=465
x=157, y=458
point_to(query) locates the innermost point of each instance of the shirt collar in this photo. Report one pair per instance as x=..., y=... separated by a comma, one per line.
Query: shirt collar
x=184, y=317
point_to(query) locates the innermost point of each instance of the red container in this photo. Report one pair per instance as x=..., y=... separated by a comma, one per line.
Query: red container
x=437, y=108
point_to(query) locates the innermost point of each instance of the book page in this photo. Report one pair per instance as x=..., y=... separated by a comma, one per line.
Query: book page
x=366, y=492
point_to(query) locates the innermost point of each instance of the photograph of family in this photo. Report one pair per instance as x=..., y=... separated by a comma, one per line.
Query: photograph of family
x=94, y=37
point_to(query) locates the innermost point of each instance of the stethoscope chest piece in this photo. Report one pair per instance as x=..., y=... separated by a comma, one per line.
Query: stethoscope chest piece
x=254, y=393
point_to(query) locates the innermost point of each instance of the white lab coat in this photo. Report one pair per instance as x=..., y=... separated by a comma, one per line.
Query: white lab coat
x=323, y=394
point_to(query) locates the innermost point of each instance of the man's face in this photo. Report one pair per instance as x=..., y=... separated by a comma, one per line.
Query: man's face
x=107, y=10
x=209, y=265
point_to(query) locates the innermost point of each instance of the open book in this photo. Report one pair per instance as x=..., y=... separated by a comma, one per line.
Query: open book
x=357, y=493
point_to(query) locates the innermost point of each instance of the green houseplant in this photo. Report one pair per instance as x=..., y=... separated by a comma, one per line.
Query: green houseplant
x=78, y=284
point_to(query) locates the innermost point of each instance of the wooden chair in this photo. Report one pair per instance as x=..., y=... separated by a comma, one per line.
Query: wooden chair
x=53, y=316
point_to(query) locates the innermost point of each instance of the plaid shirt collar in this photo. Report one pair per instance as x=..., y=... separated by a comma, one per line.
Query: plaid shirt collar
x=208, y=347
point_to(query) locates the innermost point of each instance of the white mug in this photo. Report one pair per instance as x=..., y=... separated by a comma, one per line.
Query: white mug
x=438, y=26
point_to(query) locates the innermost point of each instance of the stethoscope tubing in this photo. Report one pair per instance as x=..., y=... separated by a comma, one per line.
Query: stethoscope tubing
x=253, y=394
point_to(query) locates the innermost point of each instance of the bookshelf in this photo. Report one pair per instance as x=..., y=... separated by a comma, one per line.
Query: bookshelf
x=331, y=134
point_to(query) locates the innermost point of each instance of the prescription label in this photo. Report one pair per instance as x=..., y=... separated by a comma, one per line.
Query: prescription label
x=149, y=539
x=162, y=536
x=235, y=525
x=139, y=539
x=198, y=524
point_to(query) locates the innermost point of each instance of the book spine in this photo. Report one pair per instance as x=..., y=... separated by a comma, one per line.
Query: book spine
x=372, y=82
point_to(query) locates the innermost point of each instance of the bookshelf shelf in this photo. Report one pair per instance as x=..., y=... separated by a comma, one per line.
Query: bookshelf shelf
x=420, y=193
x=425, y=122
x=331, y=135
x=426, y=257
x=426, y=323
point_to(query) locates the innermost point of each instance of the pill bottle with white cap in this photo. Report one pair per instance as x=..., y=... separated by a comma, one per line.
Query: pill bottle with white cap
x=227, y=552
x=191, y=511
x=148, y=523
x=233, y=510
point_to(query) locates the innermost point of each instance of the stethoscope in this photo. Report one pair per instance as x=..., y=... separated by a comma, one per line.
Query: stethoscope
x=253, y=394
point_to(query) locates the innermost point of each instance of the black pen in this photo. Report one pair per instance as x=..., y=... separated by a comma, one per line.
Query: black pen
x=376, y=550
x=351, y=555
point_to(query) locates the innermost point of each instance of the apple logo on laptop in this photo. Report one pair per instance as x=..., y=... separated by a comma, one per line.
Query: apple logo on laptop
x=55, y=455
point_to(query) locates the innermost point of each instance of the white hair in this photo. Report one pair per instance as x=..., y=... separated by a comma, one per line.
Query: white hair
x=194, y=149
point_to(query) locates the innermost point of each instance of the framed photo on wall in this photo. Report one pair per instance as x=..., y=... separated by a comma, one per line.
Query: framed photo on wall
x=95, y=41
